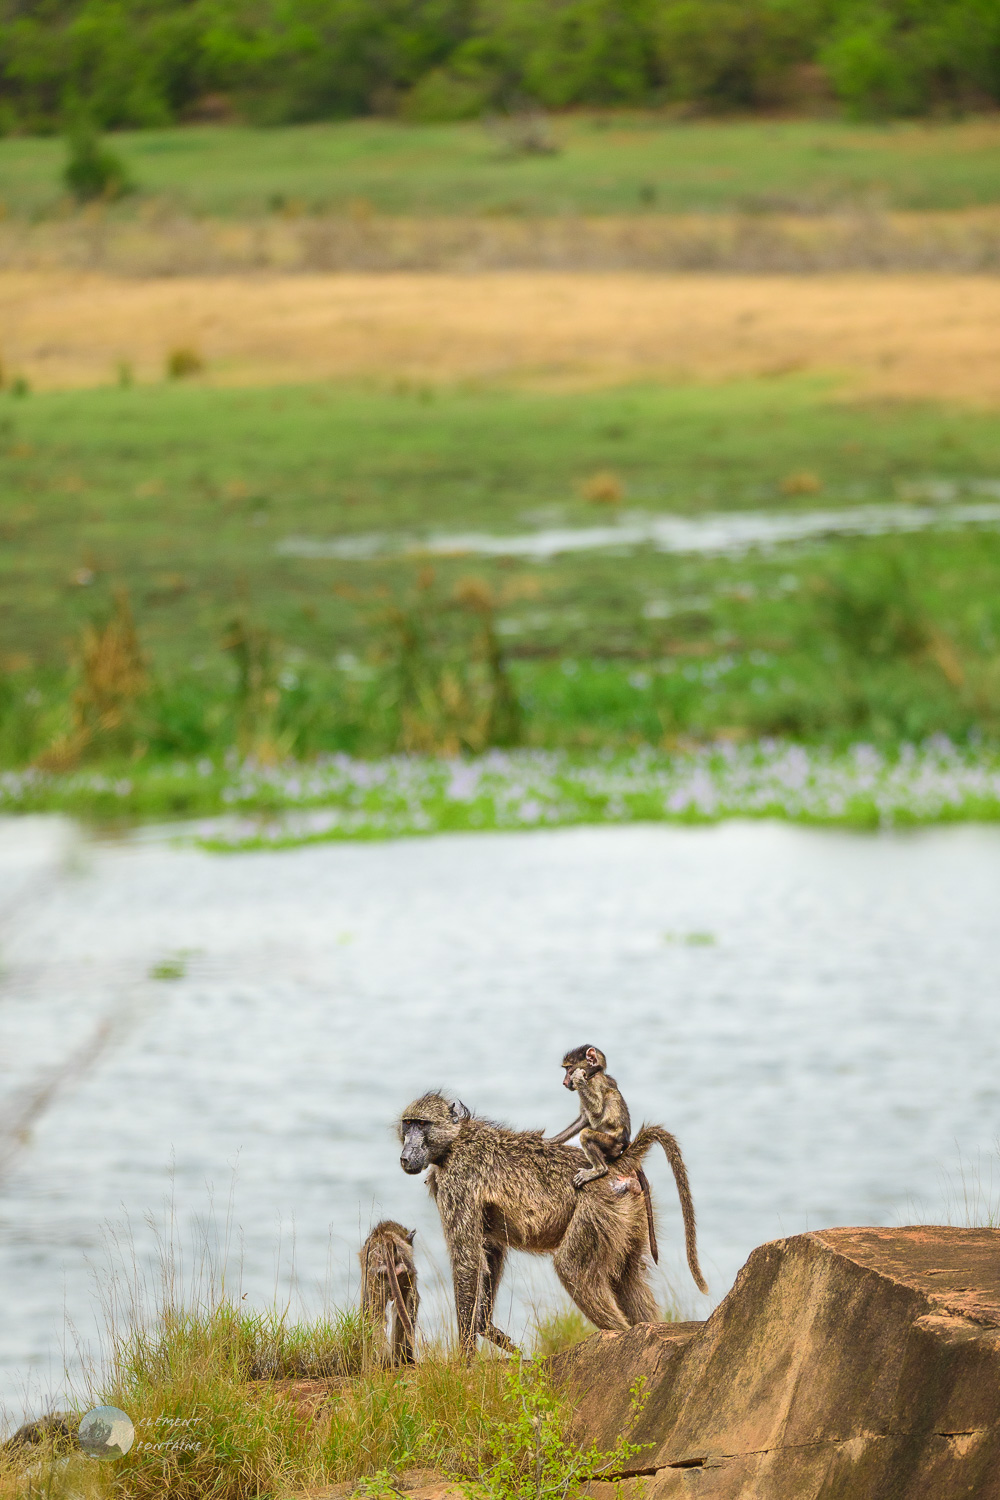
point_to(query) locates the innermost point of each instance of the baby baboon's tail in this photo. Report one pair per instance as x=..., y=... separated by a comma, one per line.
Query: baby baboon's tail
x=645, y=1139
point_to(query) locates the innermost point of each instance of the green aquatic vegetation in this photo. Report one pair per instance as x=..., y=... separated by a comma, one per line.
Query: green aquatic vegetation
x=245, y=805
x=170, y=968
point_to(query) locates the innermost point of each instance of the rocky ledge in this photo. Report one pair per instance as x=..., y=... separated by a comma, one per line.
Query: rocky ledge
x=848, y=1364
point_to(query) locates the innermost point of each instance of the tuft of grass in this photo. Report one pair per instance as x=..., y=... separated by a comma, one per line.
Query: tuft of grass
x=112, y=675
x=603, y=488
x=972, y=1192
x=560, y=1329
x=453, y=690
x=253, y=650
x=801, y=482
x=183, y=362
x=874, y=610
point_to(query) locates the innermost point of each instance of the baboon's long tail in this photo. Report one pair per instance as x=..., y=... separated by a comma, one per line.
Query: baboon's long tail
x=647, y=1198
x=647, y=1137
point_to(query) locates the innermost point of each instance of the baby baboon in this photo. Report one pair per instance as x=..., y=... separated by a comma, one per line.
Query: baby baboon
x=498, y=1190
x=389, y=1274
x=604, y=1127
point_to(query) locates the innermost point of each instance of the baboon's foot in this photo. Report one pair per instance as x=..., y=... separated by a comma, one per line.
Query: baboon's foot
x=583, y=1176
x=498, y=1337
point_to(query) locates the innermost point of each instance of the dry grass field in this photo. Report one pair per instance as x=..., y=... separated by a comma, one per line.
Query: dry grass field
x=929, y=336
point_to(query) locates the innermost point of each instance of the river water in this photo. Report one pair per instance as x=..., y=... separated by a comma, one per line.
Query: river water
x=814, y=1013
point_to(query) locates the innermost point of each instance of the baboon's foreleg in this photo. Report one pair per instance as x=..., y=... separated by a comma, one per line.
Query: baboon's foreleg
x=495, y=1257
x=468, y=1274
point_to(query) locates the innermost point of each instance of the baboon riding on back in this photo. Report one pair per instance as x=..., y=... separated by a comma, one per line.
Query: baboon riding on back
x=498, y=1189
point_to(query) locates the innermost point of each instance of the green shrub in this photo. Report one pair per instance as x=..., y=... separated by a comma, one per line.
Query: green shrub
x=91, y=170
x=732, y=54
x=905, y=57
x=182, y=362
x=873, y=610
x=445, y=94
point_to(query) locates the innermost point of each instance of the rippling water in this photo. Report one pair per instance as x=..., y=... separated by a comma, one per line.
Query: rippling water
x=814, y=1013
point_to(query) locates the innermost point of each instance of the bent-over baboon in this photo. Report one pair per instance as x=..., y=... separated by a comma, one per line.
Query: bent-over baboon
x=604, y=1126
x=389, y=1274
x=498, y=1189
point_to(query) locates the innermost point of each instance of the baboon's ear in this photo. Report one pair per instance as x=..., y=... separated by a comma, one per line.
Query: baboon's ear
x=591, y=1054
x=459, y=1112
x=411, y=1236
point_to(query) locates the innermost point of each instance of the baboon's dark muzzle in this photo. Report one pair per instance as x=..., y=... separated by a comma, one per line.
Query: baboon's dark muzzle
x=414, y=1157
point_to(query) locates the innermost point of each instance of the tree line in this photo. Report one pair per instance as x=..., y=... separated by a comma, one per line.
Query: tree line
x=134, y=63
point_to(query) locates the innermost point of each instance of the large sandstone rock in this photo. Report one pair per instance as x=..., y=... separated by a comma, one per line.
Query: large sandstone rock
x=843, y=1365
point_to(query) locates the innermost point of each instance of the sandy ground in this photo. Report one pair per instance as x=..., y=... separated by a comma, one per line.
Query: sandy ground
x=934, y=336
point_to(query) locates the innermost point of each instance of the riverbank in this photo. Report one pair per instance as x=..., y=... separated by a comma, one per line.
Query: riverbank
x=243, y=804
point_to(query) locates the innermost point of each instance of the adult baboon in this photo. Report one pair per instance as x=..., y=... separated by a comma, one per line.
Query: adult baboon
x=498, y=1189
x=389, y=1274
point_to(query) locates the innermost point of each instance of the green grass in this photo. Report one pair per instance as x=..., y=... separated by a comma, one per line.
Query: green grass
x=205, y=1387
x=607, y=164
x=182, y=495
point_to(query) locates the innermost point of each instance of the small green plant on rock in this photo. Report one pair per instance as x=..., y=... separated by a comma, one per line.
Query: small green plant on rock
x=526, y=1454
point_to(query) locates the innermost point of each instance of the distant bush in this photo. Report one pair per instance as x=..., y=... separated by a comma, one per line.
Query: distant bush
x=91, y=170
x=444, y=95
x=148, y=62
x=906, y=57
x=182, y=362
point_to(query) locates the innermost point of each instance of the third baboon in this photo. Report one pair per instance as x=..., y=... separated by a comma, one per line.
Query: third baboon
x=604, y=1126
x=498, y=1189
x=389, y=1274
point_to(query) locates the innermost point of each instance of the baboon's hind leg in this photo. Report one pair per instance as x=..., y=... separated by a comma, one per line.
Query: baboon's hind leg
x=592, y=1144
x=577, y=1263
x=633, y=1292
